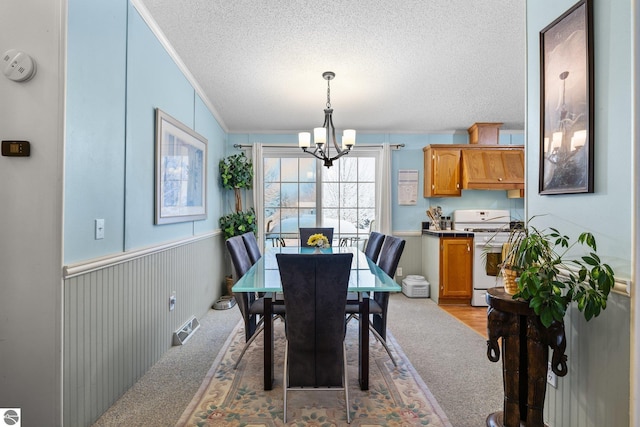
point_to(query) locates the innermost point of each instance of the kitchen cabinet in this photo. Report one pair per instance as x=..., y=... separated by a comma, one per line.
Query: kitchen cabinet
x=497, y=169
x=448, y=267
x=451, y=168
x=484, y=133
x=442, y=171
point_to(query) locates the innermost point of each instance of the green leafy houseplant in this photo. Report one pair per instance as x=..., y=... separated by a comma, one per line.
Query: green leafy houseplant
x=236, y=173
x=550, y=279
x=237, y=223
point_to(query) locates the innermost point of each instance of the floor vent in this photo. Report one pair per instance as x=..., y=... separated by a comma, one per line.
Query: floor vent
x=186, y=331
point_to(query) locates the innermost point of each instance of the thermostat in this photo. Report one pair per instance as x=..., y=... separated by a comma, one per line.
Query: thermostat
x=16, y=148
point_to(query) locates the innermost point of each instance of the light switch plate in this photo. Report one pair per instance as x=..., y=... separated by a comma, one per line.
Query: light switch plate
x=99, y=229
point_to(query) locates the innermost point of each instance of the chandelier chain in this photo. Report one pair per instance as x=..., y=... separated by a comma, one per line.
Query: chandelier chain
x=328, y=94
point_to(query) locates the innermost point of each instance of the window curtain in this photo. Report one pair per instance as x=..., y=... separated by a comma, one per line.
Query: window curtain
x=383, y=205
x=258, y=185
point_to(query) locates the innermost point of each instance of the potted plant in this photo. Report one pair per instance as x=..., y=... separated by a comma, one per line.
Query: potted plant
x=236, y=173
x=550, y=277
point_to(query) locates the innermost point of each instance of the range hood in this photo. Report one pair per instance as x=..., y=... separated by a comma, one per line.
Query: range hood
x=492, y=169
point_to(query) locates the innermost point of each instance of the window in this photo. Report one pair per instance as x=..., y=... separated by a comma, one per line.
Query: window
x=298, y=192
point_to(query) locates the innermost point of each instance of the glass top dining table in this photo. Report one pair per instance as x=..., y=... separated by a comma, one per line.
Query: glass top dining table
x=365, y=277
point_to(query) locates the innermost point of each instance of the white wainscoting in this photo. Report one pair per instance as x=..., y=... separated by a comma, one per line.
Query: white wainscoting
x=117, y=322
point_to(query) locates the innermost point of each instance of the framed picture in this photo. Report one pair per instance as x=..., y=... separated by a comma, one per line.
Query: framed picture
x=566, y=91
x=181, y=171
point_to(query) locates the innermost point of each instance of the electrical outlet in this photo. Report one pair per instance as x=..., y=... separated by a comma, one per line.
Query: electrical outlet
x=399, y=271
x=172, y=301
x=552, y=378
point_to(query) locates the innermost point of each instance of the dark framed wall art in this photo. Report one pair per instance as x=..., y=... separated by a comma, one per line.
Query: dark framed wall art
x=181, y=171
x=566, y=105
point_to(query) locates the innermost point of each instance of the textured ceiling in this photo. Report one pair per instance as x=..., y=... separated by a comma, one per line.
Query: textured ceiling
x=401, y=66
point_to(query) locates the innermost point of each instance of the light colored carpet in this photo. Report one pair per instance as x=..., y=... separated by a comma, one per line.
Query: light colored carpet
x=228, y=397
x=449, y=356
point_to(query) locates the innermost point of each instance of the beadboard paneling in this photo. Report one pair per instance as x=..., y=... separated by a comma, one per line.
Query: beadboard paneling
x=117, y=322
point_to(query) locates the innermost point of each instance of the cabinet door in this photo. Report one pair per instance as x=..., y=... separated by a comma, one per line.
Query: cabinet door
x=456, y=258
x=493, y=169
x=442, y=172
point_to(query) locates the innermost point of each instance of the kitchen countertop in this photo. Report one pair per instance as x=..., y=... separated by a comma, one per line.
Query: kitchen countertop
x=447, y=233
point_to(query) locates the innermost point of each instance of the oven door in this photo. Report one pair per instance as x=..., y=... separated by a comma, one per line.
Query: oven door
x=487, y=255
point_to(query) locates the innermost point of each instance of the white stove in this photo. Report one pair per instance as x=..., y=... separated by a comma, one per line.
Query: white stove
x=490, y=229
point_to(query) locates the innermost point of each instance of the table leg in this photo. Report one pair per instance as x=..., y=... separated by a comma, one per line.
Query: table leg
x=363, y=354
x=268, y=341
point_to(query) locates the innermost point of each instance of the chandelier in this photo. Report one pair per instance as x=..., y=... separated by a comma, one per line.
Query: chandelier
x=325, y=135
x=558, y=148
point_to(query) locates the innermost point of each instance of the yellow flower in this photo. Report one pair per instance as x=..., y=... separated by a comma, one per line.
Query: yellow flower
x=319, y=240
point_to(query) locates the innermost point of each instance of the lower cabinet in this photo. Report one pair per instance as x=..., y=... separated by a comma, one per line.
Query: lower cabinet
x=448, y=267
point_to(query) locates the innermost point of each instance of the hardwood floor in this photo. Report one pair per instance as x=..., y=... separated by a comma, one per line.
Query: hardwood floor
x=474, y=317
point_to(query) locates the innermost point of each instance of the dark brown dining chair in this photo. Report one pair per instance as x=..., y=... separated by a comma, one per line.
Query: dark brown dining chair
x=388, y=260
x=251, y=305
x=315, y=296
x=306, y=232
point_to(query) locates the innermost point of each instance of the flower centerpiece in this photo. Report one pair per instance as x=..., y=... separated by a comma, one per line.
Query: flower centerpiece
x=318, y=241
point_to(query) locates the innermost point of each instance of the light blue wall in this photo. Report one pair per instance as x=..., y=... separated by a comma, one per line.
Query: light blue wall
x=606, y=212
x=410, y=217
x=111, y=101
x=206, y=126
x=599, y=349
x=95, y=143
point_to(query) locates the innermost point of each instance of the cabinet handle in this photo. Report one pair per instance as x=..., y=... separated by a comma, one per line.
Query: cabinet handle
x=458, y=185
x=468, y=248
x=499, y=179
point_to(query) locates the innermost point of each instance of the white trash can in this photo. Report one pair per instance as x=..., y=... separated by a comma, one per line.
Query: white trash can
x=415, y=286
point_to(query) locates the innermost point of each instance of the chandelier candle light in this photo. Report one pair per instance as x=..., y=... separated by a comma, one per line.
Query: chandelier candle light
x=327, y=133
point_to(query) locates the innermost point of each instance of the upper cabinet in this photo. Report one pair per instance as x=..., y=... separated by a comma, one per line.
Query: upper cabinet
x=484, y=133
x=493, y=169
x=442, y=171
x=448, y=169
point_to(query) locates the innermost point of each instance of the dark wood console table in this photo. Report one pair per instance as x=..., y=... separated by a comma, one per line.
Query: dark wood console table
x=525, y=355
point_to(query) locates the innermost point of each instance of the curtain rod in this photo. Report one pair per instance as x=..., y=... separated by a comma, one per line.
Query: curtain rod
x=243, y=146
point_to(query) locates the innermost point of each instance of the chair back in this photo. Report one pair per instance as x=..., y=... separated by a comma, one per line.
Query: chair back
x=387, y=261
x=306, y=232
x=239, y=255
x=252, y=247
x=374, y=245
x=242, y=264
x=390, y=254
x=315, y=296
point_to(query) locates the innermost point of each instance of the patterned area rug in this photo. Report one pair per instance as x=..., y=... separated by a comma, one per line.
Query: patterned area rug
x=397, y=396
